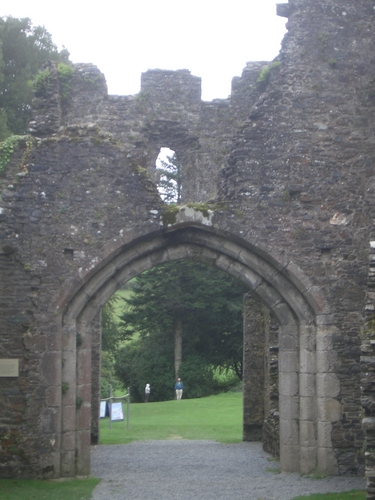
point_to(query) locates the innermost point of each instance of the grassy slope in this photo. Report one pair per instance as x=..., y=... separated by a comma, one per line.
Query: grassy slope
x=349, y=495
x=22, y=489
x=216, y=417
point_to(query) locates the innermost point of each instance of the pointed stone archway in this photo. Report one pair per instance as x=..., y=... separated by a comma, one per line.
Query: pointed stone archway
x=306, y=389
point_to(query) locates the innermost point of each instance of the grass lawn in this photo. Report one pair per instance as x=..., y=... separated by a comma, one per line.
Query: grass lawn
x=22, y=489
x=216, y=417
x=348, y=495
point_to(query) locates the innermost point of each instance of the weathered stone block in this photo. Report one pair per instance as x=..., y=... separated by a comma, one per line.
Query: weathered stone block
x=326, y=361
x=288, y=384
x=307, y=383
x=83, y=414
x=68, y=468
x=51, y=367
x=83, y=453
x=327, y=462
x=308, y=434
x=368, y=423
x=308, y=459
x=327, y=385
x=289, y=432
x=290, y=458
x=329, y=409
x=307, y=361
x=288, y=361
x=308, y=408
x=69, y=417
x=289, y=407
x=68, y=440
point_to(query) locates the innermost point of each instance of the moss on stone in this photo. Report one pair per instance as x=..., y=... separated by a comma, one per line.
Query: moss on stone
x=200, y=207
x=169, y=215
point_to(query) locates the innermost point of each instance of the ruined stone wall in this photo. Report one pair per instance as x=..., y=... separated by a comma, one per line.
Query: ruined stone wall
x=300, y=170
x=255, y=389
x=54, y=219
x=168, y=112
x=288, y=164
x=260, y=375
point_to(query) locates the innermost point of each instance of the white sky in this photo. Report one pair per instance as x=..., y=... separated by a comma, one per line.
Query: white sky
x=212, y=38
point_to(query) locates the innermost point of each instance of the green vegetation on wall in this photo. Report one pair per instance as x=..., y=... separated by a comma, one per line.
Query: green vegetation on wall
x=265, y=75
x=8, y=146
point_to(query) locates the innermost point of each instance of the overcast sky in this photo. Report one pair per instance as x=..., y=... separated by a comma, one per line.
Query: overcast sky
x=212, y=38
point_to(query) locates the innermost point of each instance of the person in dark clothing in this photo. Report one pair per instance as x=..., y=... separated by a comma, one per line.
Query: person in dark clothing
x=179, y=388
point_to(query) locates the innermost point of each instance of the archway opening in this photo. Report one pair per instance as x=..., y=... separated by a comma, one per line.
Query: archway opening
x=284, y=290
x=188, y=312
x=185, y=320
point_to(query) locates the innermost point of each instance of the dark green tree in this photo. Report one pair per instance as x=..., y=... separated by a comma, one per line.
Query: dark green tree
x=24, y=50
x=112, y=335
x=170, y=177
x=191, y=310
x=112, y=332
x=147, y=361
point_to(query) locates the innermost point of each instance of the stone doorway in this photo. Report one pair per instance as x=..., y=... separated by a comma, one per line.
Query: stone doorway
x=281, y=287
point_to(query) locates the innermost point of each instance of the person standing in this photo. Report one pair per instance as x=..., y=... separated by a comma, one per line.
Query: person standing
x=179, y=388
x=147, y=393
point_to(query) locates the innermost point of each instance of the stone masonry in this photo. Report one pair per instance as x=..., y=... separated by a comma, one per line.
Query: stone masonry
x=278, y=191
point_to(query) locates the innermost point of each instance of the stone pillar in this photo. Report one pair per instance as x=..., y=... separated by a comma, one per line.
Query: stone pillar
x=68, y=409
x=327, y=389
x=368, y=379
x=271, y=427
x=253, y=368
x=289, y=381
x=83, y=399
x=307, y=400
x=95, y=379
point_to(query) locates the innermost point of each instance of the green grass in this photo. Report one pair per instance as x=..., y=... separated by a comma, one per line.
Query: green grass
x=348, y=495
x=218, y=418
x=23, y=489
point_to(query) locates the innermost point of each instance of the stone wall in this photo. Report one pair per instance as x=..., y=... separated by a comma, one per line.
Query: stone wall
x=260, y=376
x=255, y=389
x=271, y=424
x=367, y=378
x=286, y=163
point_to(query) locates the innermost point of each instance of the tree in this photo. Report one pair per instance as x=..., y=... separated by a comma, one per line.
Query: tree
x=24, y=50
x=146, y=361
x=170, y=176
x=191, y=310
x=112, y=332
x=112, y=335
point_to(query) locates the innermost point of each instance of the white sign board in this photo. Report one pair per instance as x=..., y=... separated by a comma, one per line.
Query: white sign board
x=103, y=408
x=9, y=367
x=117, y=413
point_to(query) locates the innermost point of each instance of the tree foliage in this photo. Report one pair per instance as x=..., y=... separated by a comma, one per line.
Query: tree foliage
x=170, y=177
x=112, y=332
x=24, y=49
x=112, y=335
x=207, y=303
x=147, y=361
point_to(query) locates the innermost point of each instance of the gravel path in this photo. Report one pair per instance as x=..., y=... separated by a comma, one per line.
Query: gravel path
x=200, y=470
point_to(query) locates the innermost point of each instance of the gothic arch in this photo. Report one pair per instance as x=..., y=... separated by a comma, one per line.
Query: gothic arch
x=297, y=305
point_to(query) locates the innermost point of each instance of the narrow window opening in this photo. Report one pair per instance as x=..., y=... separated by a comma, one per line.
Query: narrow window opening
x=69, y=253
x=169, y=176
